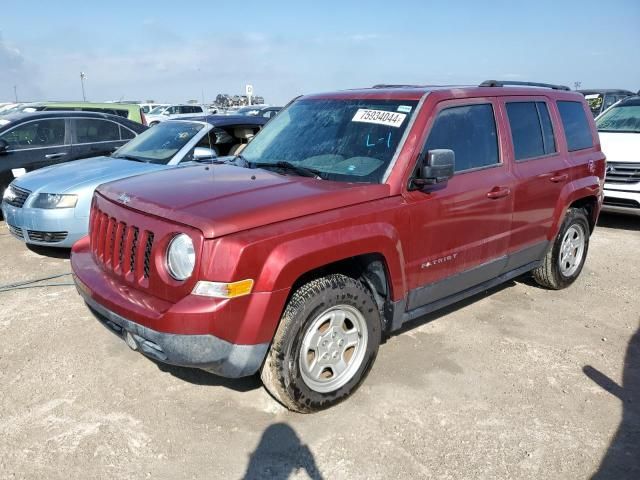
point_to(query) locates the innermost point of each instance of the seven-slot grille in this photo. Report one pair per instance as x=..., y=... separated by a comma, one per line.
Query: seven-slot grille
x=20, y=196
x=623, y=172
x=121, y=248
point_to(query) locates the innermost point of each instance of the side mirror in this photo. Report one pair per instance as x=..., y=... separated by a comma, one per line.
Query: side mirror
x=4, y=146
x=203, y=153
x=437, y=167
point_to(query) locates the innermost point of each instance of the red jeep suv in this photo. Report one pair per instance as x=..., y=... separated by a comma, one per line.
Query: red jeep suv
x=348, y=215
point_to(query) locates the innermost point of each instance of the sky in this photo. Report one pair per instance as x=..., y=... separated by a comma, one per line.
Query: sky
x=174, y=51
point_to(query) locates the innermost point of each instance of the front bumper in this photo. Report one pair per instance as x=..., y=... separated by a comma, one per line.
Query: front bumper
x=52, y=228
x=206, y=352
x=625, y=201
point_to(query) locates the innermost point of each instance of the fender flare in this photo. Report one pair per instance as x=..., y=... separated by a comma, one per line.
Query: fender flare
x=290, y=260
x=572, y=191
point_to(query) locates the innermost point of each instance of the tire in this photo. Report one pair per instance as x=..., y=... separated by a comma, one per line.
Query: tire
x=558, y=270
x=313, y=323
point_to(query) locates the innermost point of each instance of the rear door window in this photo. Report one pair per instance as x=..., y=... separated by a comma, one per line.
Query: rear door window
x=91, y=130
x=470, y=131
x=576, y=126
x=531, y=129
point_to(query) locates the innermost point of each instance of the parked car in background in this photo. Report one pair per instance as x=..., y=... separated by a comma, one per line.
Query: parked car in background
x=163, y=113
x=259, y=110
x=51, y=206
x=619, y=130
x=349, y=214
x=600, y=100
x=29, y=141
x=147, y=107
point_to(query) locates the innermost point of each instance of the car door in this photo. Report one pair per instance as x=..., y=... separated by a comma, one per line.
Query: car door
x=34, y=144
x=94, y=137
x=540, y=171
x=461, y=231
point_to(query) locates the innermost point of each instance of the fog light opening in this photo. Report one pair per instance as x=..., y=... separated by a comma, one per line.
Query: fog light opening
x=130, y=341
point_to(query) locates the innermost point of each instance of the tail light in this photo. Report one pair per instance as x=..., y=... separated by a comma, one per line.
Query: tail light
x=144, y=119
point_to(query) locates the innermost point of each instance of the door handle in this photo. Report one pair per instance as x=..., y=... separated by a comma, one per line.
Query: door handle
x=53, y=156
x=499, y=192
x=559, y=178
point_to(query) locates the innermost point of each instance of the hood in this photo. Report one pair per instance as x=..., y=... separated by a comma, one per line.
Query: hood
x=71, y=176
x=620, y=146
x=224, y=199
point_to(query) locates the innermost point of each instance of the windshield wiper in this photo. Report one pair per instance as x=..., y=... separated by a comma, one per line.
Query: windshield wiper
x=291, y=167
x=131, y=157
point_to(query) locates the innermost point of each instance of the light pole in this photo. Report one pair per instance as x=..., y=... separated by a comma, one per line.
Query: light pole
x=82, y=78
x=577, y=85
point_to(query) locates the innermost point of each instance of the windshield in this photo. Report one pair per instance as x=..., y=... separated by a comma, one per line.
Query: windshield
x=160, y=143
x=344, y=140
x=157, y=110
x=595, y=102
x=620, y=119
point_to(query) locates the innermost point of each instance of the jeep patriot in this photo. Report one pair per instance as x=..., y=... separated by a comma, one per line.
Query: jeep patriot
x=348, y=215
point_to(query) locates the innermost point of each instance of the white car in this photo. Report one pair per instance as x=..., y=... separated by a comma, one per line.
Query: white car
x=619, y=130
x=166, y=112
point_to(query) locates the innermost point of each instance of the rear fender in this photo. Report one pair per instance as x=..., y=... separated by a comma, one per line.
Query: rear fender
x=572, y=192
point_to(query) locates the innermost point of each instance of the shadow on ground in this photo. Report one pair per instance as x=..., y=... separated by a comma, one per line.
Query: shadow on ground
x=622, y=222
x=51, y=252
x=195, y=376
x=279, y=454
x=622, y=460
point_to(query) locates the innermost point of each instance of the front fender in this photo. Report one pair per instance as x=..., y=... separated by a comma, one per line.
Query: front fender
x=295, y=257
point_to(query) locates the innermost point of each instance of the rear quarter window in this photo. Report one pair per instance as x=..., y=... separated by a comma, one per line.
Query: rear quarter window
x=576, y=126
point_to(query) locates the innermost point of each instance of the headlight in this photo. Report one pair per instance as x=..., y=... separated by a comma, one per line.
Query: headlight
x=9, y=194
x=181, y=257
x=54, y=200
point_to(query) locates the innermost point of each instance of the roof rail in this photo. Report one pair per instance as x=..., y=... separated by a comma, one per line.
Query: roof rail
x=504, y=83
x=385, y=85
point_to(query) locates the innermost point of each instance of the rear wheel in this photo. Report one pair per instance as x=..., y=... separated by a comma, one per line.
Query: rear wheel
x=324, y=347
x=564, y=261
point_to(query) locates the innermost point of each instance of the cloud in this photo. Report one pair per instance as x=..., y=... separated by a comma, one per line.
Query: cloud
x=16, y=70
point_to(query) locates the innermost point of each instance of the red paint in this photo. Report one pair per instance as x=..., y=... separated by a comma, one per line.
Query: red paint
x=273, y=228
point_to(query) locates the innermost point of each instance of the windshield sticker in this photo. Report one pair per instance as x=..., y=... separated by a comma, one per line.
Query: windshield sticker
x=404, y=108
x=380, y=117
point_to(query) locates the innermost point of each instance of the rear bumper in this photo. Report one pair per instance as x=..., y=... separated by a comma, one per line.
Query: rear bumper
x=206, y=352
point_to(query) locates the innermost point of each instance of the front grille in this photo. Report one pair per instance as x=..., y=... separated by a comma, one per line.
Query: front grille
x=19, y=196
x=117, y=246
x=16, y=232
x=621, y=202
x=47, y=237
x=623, y=172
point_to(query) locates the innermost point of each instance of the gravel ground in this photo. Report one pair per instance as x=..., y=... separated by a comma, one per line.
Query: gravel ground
x=517, y=383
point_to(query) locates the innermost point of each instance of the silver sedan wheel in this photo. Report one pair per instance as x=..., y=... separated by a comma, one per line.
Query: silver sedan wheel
x=572, y=250
x=333, y=348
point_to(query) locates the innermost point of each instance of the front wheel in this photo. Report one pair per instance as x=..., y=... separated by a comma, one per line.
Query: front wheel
x=324, y=347
x=565, y=259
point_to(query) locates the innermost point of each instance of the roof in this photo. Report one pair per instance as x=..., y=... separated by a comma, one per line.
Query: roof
x=89, y=104
x=633, y=101
x=14, y=117
x=605, y=90
x=227, y=120
x=416, y=92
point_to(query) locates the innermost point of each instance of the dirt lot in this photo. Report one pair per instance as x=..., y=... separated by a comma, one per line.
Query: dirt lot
x=518, y=383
